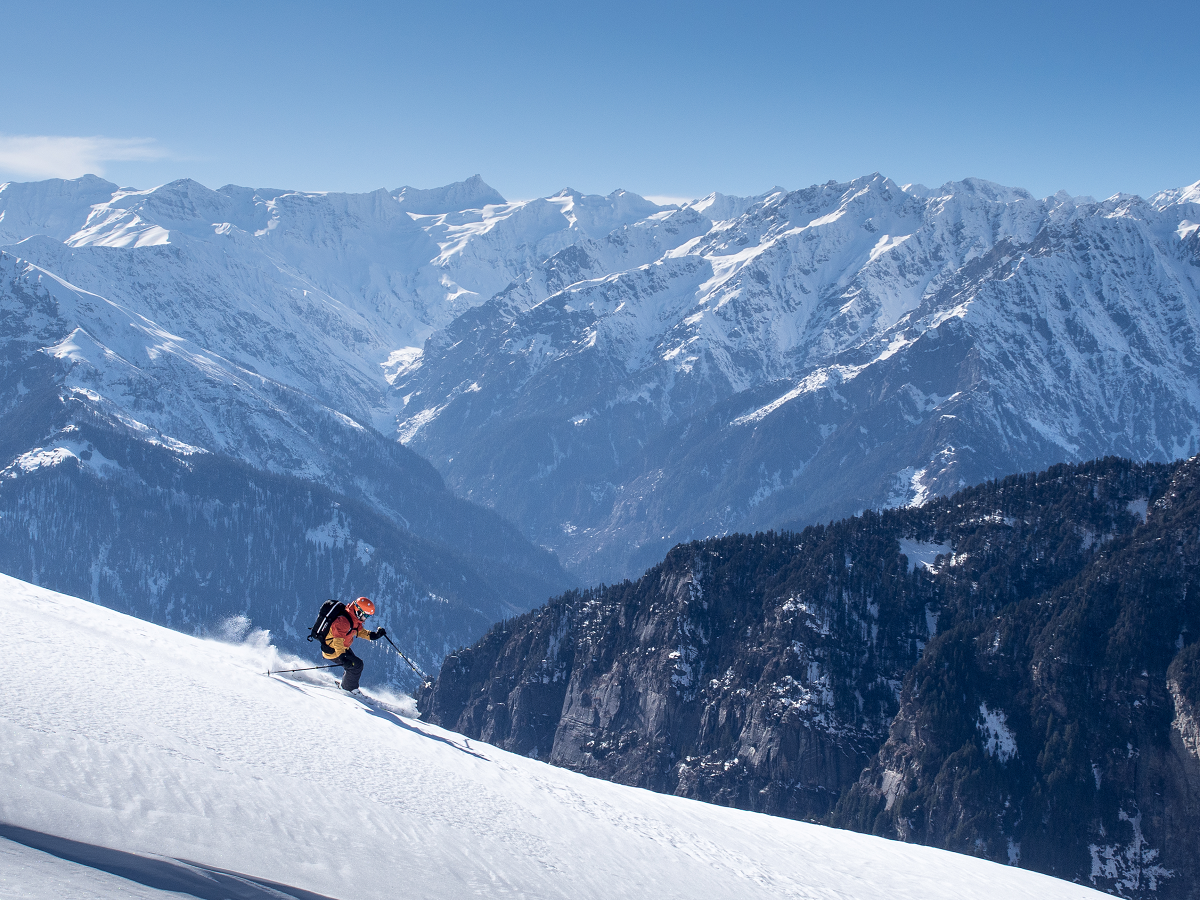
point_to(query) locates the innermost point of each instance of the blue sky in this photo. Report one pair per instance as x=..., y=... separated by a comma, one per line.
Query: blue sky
x=661, y=98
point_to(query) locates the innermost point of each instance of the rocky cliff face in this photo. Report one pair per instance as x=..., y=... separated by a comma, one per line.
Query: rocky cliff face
x=1181, y=803
x=1011, y=667
x=1060, y=732
x=760, y=671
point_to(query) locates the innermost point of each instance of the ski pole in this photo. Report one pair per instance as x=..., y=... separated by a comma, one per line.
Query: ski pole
x=412, y=665
x=305, y=669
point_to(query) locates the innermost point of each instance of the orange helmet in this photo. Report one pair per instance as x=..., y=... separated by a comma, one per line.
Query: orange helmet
x=363, y=607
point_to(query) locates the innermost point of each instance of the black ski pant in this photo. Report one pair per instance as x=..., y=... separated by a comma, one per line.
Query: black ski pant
x=353, y=666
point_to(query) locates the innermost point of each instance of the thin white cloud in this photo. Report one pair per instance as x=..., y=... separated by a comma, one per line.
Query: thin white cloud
x=50, y=156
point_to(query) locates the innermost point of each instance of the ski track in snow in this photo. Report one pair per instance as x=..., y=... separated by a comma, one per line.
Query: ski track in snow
x=142, y=740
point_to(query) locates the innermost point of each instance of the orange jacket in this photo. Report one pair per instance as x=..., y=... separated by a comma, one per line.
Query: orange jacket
x=342, y=633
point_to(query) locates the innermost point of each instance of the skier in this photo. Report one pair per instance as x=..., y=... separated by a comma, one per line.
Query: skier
x=343, y=631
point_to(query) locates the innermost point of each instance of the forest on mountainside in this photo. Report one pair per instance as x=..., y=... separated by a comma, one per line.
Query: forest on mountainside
x=1010, y=671
x=190, y=540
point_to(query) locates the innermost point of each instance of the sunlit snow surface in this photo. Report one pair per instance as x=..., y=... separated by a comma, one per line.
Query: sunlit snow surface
x=124, y=735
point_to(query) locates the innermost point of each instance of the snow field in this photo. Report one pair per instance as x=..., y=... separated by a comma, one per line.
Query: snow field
x=144, y=740
x=27, y=874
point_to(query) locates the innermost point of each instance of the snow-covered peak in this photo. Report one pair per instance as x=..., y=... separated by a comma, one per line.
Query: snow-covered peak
x=56, y=207
x=596, y=215
x=722, y=207
x=983, y=189
x=473, y=193
x=185, y=207
x=1189, y=194
x=1063, y=198
x=627, y=203
x=1123, y=199
x=148, y=748
x=875, y=181
x=137, y=218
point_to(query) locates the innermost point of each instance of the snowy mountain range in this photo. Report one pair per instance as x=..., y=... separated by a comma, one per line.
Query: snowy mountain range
x=204, y=314
x=149, y=764
x=611, y=375
x=816, y=353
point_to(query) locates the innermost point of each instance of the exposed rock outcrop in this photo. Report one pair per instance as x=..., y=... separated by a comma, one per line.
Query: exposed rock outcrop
x=788, y=673
x=1061, y=732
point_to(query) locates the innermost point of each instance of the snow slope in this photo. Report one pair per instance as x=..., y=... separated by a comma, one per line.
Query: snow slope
x=139, y=740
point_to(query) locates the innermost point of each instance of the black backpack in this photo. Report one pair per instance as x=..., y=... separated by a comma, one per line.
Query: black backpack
x=330, y=610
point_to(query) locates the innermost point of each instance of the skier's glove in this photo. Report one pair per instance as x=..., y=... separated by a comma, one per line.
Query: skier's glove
x=378, y=633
